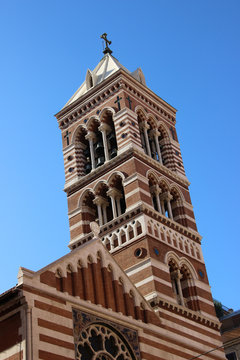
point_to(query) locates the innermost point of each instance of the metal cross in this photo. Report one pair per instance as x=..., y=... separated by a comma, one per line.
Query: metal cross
x=107, y=42
x=173, y=132
x=118, y=102
x=130, y=102
x=67, y=136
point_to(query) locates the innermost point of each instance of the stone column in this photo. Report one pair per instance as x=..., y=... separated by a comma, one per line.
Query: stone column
x=104, y=128
x=156, y=134
x=177, y=276
x=118, y=205
x=114, y=194
x=162, y=207
x=104, y=208
x=90, y=137
x=101, y=203
x=169, y=208
x=155, y=189
x=145, y=127
x=166, y=197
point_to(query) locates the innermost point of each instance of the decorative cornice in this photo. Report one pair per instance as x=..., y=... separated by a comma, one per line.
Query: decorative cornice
x=181, y=310
x=194, y=235
x=131, y=214
x=108, y=88
x=96, y=173
x=111, y=164
x=161, y=167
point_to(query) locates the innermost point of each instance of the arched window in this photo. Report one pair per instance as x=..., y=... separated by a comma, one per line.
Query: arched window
x=110, y=142
x=96, y=146
x=89, y=80
x=154, y=191
x=59, y=280
x=142, y=124
x=177, y=207
x=181, y=279
x=89, y=209
x=116, y=193
x=103, y=203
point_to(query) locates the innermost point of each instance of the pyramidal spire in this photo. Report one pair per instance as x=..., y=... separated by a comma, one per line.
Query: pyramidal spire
x=105, y=68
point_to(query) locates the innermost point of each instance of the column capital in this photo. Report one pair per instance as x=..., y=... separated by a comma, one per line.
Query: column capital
x=100, y=200
x=176, y=274
x=90, y=135
x=166, y=196
x=112, y=192
x=104, y=127
x=155, y=189
x=144, y=125
x=154, y=133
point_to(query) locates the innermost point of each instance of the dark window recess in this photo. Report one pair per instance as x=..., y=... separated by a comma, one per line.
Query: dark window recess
x=122, y=123
x=85, y=120
x=156, y=251
x=176, y=152
x=124, y=135
x=231, y=356
x=71, y=169
x=70, y=157
x=98, y=112
x=179, y=164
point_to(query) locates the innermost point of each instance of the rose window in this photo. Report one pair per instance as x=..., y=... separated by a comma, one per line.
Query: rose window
x=100, y=342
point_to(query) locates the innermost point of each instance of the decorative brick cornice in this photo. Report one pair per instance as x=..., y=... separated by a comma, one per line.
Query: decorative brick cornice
x=111, y=164
x=100, y=93
x=185, y=312
x=98, y=172
x=171, y=223
x=130, y=215
x=162, y=168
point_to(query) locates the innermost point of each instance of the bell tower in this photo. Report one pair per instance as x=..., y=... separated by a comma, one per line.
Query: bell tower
x=124, y=170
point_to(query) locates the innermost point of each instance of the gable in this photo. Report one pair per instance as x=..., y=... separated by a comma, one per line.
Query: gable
x=91, y=274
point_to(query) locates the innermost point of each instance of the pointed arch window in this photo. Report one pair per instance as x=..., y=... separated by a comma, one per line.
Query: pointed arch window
x=89, y=80
x=182, y=285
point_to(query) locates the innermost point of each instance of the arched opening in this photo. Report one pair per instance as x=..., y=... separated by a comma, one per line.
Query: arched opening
x=152, y=139
x=177, y=207
x=143, y=132
x=96, y=143
x=109, y=128
x=154, y=191
x=116, y=193
x=163, y=141
x=103, y=203
x=183, y=290
x=89, y=209
x=89, y=80
x=165, y=199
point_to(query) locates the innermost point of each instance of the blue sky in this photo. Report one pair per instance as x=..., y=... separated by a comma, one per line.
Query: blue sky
x=189, y=53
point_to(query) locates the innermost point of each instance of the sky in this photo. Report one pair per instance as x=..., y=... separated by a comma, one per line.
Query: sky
x=189, y=53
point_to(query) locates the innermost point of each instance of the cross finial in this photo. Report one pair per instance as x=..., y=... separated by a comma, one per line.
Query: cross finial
x=107, y=42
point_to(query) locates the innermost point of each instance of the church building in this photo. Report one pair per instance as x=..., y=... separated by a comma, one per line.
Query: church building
x=134, y=284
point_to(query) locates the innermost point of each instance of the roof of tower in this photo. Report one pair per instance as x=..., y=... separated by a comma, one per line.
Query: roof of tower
x=106, y=67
